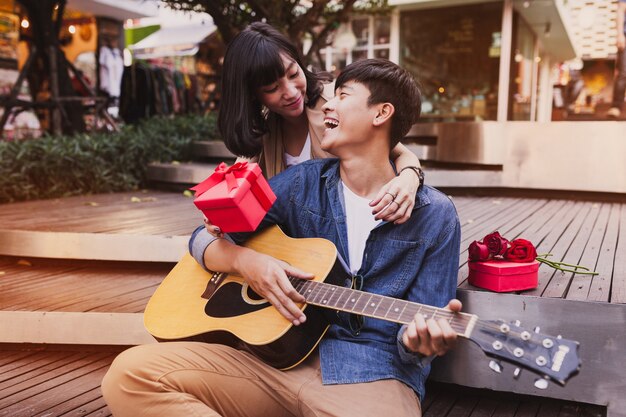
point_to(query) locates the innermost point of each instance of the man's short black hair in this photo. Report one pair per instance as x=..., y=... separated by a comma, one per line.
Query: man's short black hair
x=388, y=83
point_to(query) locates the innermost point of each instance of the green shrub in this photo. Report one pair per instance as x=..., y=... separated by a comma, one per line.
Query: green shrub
x=57, y=166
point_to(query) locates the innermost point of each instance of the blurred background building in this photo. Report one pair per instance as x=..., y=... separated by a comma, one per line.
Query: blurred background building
x=477, y=60
x=495, y=74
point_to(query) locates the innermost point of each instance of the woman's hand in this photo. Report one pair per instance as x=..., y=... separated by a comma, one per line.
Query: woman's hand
x=215, y=231
x=394, y=202
x=431, y=337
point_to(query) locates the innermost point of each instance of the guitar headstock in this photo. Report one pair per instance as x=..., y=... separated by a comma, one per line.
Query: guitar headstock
x=551, y=357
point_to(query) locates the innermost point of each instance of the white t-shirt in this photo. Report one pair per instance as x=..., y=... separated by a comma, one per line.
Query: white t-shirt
x=305, y=155
x=359, y=222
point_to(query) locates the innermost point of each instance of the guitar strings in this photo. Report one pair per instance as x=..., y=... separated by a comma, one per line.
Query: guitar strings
x=321, y=294
x=318, y=293
x=319, y=290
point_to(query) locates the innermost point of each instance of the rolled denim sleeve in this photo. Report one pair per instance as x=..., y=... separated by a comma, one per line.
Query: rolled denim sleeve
x=411, y=357
x=199, y=241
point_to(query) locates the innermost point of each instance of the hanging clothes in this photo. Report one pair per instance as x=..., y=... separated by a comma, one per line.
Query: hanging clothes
x=111, y=70
x=151, y=90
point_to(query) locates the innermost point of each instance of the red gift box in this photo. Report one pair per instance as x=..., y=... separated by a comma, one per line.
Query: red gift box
x=503, y=276
x=235, y=198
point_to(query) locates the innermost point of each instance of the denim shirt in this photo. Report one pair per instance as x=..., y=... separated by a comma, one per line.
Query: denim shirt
x=416, y=261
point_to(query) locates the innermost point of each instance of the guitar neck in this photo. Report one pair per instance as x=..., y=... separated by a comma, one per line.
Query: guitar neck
x=378, y=306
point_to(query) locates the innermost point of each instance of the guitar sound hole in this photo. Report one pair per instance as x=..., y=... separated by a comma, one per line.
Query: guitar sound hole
x=227, y=302
x=252, y=295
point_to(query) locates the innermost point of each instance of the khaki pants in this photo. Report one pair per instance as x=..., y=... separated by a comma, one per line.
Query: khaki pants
x=182, y=379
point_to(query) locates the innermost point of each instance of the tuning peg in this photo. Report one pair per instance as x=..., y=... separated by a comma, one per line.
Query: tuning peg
x=541, y=383
x=537, y=329
x=517, y=323
x=495, y=366
x=516, y=373
x=559, y=337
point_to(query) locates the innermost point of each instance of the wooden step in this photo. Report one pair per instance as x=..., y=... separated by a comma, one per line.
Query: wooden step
x=187, y=173
x=76, y=302
x=212, y=149
x=35, y=284
x=133, y=226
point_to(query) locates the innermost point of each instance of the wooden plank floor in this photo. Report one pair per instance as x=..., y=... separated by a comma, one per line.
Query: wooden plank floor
x=449, y=400
x=55, y=381
x=47, y=382
x=64, y=381
x=583, y=232
x=36, y=284
x=587, y=233
x=140, y=212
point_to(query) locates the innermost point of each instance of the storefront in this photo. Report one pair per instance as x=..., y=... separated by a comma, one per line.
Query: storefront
x=475, y=60
x=91, y=37
x=12, y=55
x=588, y=80
x=193, y=51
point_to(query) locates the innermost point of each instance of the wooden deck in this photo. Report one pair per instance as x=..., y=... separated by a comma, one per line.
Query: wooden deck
x=140, y=212
x=36, y=284
x=56, y=381
x=575, y=232
x=64, y=380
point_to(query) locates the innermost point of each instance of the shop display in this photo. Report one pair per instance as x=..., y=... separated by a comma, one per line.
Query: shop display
x=9, y=35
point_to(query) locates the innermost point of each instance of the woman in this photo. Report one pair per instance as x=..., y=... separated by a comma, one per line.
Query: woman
x=270, y=112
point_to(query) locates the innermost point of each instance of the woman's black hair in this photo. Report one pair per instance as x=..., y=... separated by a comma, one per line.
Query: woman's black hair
x=253, y=60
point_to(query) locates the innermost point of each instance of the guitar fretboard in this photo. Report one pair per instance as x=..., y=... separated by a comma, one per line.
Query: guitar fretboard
x=378, y=306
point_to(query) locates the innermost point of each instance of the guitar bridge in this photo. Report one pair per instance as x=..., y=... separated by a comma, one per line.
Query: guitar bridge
x=211, y=286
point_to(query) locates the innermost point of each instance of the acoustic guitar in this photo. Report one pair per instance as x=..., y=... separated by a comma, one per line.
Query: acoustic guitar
x=193, y=304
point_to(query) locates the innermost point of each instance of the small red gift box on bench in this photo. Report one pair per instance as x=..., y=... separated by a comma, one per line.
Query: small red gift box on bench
x=503, y=276
x=235, y=198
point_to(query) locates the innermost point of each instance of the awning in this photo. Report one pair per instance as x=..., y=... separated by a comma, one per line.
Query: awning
x=549, y=19
x=551, y=22
x=116, y=9
x=172, y=41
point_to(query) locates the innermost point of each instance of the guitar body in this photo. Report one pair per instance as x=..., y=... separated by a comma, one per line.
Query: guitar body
x=193, y=304
x=187, y=307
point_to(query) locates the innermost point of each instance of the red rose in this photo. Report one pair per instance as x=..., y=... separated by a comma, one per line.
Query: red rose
x=497, y=244
x=521, y=250
x=478, y=251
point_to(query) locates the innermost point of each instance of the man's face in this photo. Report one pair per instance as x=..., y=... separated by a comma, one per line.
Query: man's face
x=348, y=117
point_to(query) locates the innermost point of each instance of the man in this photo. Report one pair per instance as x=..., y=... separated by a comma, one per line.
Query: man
x=619, y=86
x=370, y=369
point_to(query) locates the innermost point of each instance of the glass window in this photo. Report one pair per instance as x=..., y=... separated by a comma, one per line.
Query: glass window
x=454, y=53
x=339, y=62
x=361, y=29
x=382, y=30
x=359, y=54
x=381, y=53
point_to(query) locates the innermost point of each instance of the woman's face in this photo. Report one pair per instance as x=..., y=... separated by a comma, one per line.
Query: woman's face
x=286, y=95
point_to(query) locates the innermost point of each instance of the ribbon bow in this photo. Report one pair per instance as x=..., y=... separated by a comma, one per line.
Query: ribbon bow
x=222, y=171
